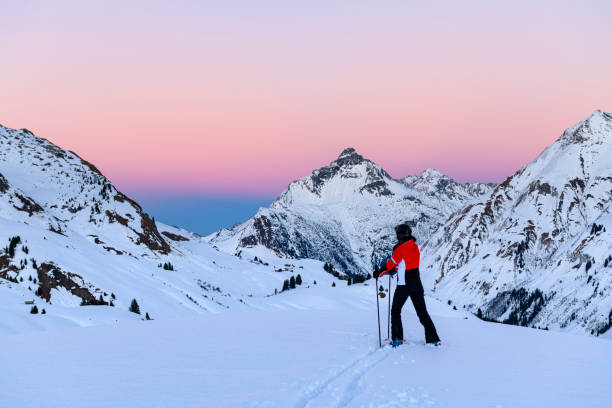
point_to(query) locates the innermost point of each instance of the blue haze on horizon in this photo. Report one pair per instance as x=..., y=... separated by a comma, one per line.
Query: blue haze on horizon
x=202, y=214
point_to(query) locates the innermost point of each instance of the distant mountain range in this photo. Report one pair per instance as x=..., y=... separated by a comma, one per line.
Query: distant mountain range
x=345, y=213
x=535, y=250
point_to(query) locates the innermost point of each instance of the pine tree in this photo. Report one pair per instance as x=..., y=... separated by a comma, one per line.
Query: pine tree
x=348, y=282
x=298, y=280
x=479, y=313
x=292, y=283
x=285, y=285
x=134, y=308
x=314, y=283
x=113, y=295
x=43, y=312
x=147, y=316
x=333, y=284
x=34, y=310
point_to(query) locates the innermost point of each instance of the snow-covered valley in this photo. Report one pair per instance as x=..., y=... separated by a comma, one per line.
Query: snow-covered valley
x=304, y=358
x=249, y=317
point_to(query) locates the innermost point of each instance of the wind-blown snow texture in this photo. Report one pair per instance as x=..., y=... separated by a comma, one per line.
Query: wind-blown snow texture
x=537, y=250
x=344, y=214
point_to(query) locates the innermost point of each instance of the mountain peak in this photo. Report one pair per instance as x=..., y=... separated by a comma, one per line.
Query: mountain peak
x=347, y=152
x=596, y=127
x=349, y=157
x=432, y=173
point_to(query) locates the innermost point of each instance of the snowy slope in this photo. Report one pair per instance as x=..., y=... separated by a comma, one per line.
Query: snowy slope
x=537, y=250
x=344, y=214
x=326, y=358
x=82, y=242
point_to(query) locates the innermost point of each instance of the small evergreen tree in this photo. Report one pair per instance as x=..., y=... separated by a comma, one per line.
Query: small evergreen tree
x=43, y=312
x=333, y=284
x=348, y=282
x=285, y=285
x=479, y=313
x=134, y=308
x=298, y=280
x=314, y=283
x=34, y=310
x=147, y=316
x=12, y=245
x=381, y=289
x=113, y=295
x=292, y=283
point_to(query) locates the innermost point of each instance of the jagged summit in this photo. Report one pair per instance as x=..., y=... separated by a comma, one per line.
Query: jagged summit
x=348, y=157
x=595, y=127
x=347, y=152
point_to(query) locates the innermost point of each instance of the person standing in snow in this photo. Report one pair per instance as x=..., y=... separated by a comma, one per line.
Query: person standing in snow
x=405, y=262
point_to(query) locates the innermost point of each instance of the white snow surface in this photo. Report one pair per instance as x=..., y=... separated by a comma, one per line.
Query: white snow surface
x=304, y=358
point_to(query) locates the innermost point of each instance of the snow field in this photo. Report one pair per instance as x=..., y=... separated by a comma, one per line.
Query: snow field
x=304, y=358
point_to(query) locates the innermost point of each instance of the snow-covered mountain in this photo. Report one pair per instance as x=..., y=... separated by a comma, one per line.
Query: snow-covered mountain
x=537, y=250
x=344, y=213
x=70, y=238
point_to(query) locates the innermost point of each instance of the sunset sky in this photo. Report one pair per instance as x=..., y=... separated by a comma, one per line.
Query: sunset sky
x=234, y=99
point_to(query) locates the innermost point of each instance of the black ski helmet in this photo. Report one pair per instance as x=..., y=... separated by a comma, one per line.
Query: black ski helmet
x=403, y=232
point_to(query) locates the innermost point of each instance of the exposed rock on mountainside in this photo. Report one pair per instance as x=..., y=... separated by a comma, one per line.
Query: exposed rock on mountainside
x=533, y=251
x=344, y=213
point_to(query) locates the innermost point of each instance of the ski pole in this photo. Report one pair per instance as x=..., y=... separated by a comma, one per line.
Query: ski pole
x=378, y=313
x=389, y=309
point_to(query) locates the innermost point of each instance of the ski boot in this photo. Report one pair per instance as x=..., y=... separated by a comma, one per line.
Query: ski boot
x=397, y=342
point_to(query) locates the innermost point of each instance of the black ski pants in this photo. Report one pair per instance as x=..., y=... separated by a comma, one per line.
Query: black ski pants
x=413, y=290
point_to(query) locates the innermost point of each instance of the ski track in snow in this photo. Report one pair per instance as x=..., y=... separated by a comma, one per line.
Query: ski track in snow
x=354, y=371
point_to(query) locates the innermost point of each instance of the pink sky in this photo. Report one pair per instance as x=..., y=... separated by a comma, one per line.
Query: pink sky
x=178, y=97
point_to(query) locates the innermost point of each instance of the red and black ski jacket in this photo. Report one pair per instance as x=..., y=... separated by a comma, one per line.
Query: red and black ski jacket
x=405, y=259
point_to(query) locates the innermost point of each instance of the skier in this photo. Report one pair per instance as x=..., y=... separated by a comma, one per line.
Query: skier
x=405, y=262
